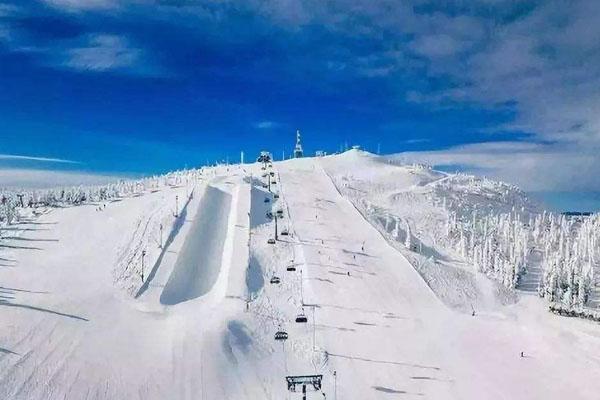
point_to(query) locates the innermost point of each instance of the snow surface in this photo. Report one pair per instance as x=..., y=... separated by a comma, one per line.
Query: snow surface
x=79, y=323
x=199, y=262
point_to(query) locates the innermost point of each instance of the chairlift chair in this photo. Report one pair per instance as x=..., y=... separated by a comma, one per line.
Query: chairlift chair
x=275, y=196
x=281, y=336
x=301, y=318
x=284, y=233
x=275, y=280
x=302, y=383
x=267, y=200
x=271, y=241
x=291, y=268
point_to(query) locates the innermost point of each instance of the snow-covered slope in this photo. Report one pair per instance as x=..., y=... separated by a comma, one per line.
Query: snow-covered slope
x=78, y=322
x=455, y=226
x=411, y=204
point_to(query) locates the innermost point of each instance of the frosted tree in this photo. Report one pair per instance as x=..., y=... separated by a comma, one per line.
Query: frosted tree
x=396, y=231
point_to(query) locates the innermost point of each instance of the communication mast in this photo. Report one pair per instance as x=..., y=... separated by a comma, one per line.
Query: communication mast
x=298, y=152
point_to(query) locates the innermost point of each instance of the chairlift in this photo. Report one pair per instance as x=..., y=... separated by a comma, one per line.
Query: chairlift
x=275, y=280
x=302, y=383
x=281, y=336
x=271, y=241
x=269, y=215
x=291, y=268
x=301, y=318
x=267, y=200
x=276, y=196
x=284, y=233
x=280, y=213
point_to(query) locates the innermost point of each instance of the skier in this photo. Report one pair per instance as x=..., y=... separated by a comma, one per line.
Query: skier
x=522, y=355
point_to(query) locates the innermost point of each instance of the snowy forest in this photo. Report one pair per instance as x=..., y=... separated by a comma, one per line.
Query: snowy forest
x=493, y=227
x=11, y=200
x=507, y=248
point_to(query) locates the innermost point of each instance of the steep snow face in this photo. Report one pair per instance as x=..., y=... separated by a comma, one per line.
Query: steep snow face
x=411, y=206
x=454, y=226
x=382, y=175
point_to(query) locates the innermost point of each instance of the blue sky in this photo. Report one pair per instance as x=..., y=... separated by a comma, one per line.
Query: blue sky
x=143, y=86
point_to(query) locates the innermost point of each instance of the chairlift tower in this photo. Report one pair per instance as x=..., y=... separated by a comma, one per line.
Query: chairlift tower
x=298, y=152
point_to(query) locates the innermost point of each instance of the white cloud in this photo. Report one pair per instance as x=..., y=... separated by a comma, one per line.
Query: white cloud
x=4, y=34
x=41, y=179
x=543, y=60
x=439, y=45
x=266, y=124
x=102, y=53
x=83, y=5
x=95, y=51
x=7, y=10
x=545, y=63
x=33, y=158
x=532, y=166
x=415, y=141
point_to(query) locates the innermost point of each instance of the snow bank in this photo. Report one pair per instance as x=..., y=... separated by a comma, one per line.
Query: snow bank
x=140, y=255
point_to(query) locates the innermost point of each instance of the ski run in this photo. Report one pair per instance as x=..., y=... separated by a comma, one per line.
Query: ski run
x=412, y=284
